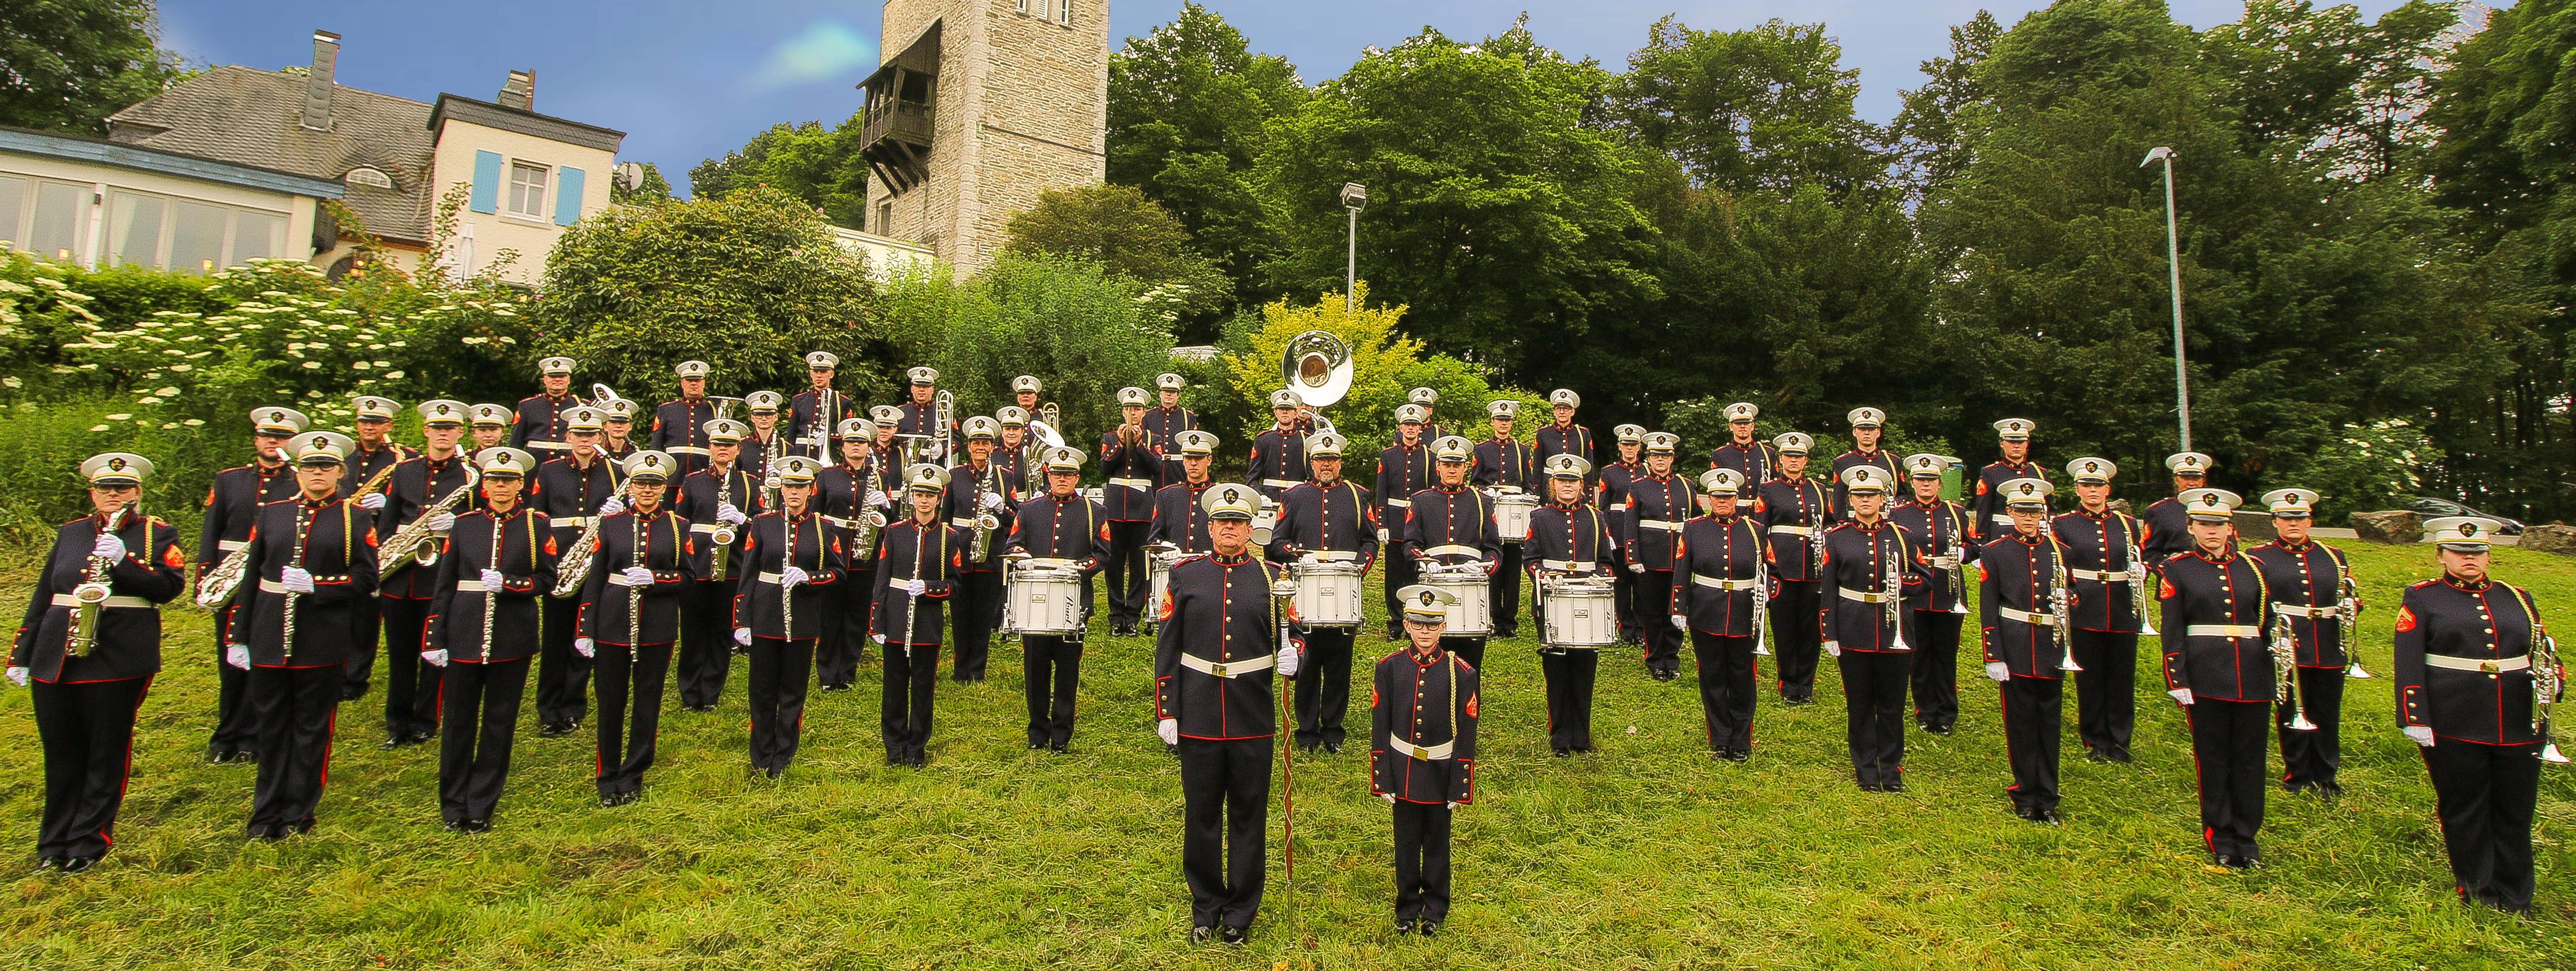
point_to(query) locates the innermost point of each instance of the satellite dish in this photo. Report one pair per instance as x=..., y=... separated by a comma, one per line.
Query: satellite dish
x=630, y=176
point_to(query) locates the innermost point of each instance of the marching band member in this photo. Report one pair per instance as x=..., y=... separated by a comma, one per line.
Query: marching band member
x=977, y=488
x=538, y=423
x=630, y=616
x=2013, y=437
x=1131, y=456
x=680, y=424
x=1326, y=517
x=2469, y=648
x=1563, y=436
x=1422, y=753
x=1024, y=393
x=232, y=505
x=1165, y=424
x=718, y=501
x=1060, y=525
x=1502, y=465
x=886, y=418
x=1943, y=529
x=1569, y=537
x=919, y=420
x=617, y=425
x=569, y=491
x=2307, y=581
x=498, y=562
x=1717, y=561
x=1659, y=502
x=1429, y=400
x=1278, y=460
x=490, y=426
x=2218, y=666
x=1403, y=468
x=917, y=563
x=374, y=423
x=2166, y=528
x=86, y=692
x=1867, y=425
x=765, y=437
x=1876, y=656
x=1006, y=453
x=1179, y=519
x=2096, y=541
x=1614, y=480
x=2023, y=651
x=1215, y=647
x=791, y=558
x=420, y=482
x=312, y=558
x=847, y=491
x=1754, y=459
x=1793, y=509
x=1451, y=525
x=804, y=428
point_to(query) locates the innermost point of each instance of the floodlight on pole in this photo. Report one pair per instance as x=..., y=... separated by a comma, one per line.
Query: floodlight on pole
x=1354, y=198
x=2173, y=266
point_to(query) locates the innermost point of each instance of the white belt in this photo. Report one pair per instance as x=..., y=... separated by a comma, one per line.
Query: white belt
x=965, y=523
x=1721, y=584
x=1399, y=503
x=1145, y=484
x=2320, y=613
x=1945, y=562
x=1281, y=483
x=707, y=527
x=687, y=450
x=836, y=521
x=113, y=600
x=1665, y=525
x=1569, y=566
x=2222, y=630
x=568, y=522
x=769, y=578
x=1787, y=529
x=1432, y=754
x=1453, y=549
x=469, y=585
x=272, y=586
x=1332, y=556
x=1864, y=596
x=549, y=446
x=2027, y=617
x=2106, y=576
x=2517, y=662
x=229, y=545
x=1227, y=669
x=620, y=580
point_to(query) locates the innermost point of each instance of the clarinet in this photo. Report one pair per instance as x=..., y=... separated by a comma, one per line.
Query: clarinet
x=636, y=538
x=787, y=594
x=492, y=598
x=287, y=621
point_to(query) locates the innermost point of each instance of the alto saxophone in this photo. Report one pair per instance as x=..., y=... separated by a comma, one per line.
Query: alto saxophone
x=91, y=594
x=412, y=543
x=576, y=561
x=986, y=524
x=216, y=586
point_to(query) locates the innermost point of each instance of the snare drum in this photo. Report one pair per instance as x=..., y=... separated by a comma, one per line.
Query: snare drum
x=1158, y=578
x=1265, y=522
x=1043, y=599
x=1329, y=593
x=1580, y=612
x=1512, y=515
x=1473, y=614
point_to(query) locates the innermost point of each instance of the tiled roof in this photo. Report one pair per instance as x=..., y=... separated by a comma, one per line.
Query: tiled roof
x=252, y=117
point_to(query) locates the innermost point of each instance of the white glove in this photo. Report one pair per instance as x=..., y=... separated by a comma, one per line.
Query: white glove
x=992, y=502
x=614, y=505
x=912, y=587
x=372, y=501
x=726, y=513
x=1681, y=622
x=1636, y=568
x=584, y=647
x=1834, y=648
x=1388, y=796
x=742, y=636
x=108, y=547
x=1449, y=805
x=238, y=656
x=792, y=576
x=1998, y=671
x=638, y=576
x=1169, y=730
x=1381, y=534
x=296, y=578
x=493, y=580
x=879, y=638
x=1288, y=662
x=18, y=675
x=436, y=659
x=2422, y=734
x=2181, y=696
x=442, y=522
x=880, y=500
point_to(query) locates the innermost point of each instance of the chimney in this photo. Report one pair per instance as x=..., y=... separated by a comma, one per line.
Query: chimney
x=521, y=92
x=318, y=84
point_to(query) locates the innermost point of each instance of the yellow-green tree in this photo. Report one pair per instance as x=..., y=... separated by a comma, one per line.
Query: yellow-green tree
x=1386, y=365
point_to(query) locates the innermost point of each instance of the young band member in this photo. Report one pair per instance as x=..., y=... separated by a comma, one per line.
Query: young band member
x=1876, y=656
x=919, y=418
x=1403, y=468
x=1429, y=401
x=680, y=424
x=377, y=451
x=1659, y=502
x=1009, y=452
x=1025, y=390
x=1717, y=563
x=1867, y=425
x=1793, y=509
x=2307, y=580
x=1165, y=423
x=418, y=484
x=1568, y=538
x=1060, y=525
x=1324, y=519
x=809, y=422
x=630, y=616
x=2013, y=437
x=490, y=426
x=978, y=489
x=765, y=441
x=2096, y=541
x=1422, y=754
x=2165, y=527
x=2468, y=648
x=2218, y=666
x=1278, y=460
x=616, y=429
x=87, y=679
x=1217, y=642
x=2024, y=653
x=918, y=559
x=791, y=559
x=1178, y=517
x=1562, y=436
x=1131, y=456
x=312, y=558
x=538, y=423
x=570, y=490
x=1451, y=528
x=1754, y=459
x=857, y=487
x=1943, y=528
x=1504, y=465
x=232, y=504
x=718, y=501
x=1614, y=480
x=499, y=561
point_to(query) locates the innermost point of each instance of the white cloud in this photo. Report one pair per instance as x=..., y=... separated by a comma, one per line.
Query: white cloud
x=823, y=52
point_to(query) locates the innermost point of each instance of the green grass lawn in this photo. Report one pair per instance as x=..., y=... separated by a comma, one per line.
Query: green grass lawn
x=1648, y=854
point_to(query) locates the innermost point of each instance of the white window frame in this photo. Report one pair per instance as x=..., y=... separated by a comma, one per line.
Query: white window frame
x=166, y=233
x=30, y=192
x=544, y=189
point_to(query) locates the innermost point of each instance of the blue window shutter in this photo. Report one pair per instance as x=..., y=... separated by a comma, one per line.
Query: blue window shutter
x=567, y=196
x=487, y=182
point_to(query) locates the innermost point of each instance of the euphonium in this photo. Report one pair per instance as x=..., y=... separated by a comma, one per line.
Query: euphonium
x=415, y=542
x=91, y=595
x=943, y=415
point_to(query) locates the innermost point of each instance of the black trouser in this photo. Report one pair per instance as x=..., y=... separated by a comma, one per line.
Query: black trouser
x=706, y=642
x=1126, y=572
x=563, y=675
x=1503, y=590
x=1725, y=689
x=87, y=728
x=1053, y=670
x=845, y=630
x=974, y=613
x=2310, y=758
x=1422, y=860
x=1632, y=604
x=293, y=711
x=1570, y=674
x=411, y=684
x=2106, y=691
x=2227, y=745
x=1796, y=640
x=2485, y=795
x=1936, y=668
x=1401, y=571
x=2033, y=707
x=1469, y=649
x=482, y=714
x=1663, y=641
x=234, y=729
x=365, y=619
x=1324, y=686
x=911, y=675
x=1874, y=701
x=779, y=668
x=1225, y=816
x=626, y=747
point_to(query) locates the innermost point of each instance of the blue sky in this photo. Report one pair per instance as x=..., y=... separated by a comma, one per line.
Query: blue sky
x=691, y=80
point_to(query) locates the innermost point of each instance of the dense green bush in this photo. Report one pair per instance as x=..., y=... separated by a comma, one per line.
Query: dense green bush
x=1386, y=365
x=1084, y=333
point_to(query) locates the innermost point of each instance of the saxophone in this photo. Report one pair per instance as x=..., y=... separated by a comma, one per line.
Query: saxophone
x=216, y=586
x=986, y=524
x=413, y=543
x=91, y=594
x=576, y=561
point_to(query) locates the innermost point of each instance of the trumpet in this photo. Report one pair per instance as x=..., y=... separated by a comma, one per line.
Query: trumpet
x=2137, y=573
x=413, y=543
x=2347, y=617
x=2285, y=670
x=1761, y=598
x=91, y=594
x=943, y=416
x=2546, y=684
x=1895, y=581
x=2061, y=606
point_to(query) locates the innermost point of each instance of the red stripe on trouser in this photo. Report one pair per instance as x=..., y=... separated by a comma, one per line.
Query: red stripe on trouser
x=128, y=778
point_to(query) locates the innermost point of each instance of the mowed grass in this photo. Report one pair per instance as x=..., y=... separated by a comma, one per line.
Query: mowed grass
x=1648, y=854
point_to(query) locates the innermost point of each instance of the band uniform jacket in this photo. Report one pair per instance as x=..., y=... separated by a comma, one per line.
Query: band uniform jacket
x=1856, y=559
x=965, y=500
x=1215, y=646
x=2016, y=574
x=1714, y=564
x=1756, y=460
x=2164, y=532
x=1570, y=539
x=1991, y=518
x=617, y=451
x=665, y=541
x=1318, y=518
x=1504, y=462
x=1452, y=527
x=922, y=420
x=365, y=463
x=1064, y=528
x=415, y=484
x=1165, y=425
x=773, y=542
x=700, y=493
x=1881, y=459
x=1658, y=505
x=339, y=550
x=1402, y=470
x=1007, y=458
x=2447, y=632
x=1278, y=462
x=538, y=423
x=2307, y=585
x=2097, y=560
x=232, y=504
x=800, y=422
x=1422, y=728
x=570, y=495
x=910, y=550
x=1134, y=472
x=1791, y=510
x=754, y=457
x=1615, y=479
x=680, y=428
x=2234, y=664
x=844, y=493
x=526, y=547
x=128, y=636
x=1553, y=440
x=1178, y=520
x=1942, y=526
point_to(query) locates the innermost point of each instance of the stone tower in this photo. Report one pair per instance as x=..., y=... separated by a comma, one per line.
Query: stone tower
x=979, y=106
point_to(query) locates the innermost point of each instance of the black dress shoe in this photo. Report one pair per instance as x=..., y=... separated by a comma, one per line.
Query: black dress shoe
x=248, y=756
x=393, y=742
x=49, y=863
x=1565, y=753
x=1430, y=928
x=78, y=863
x=1232, y=935
x=777, y=771
x=478, y=826
x=1332, y=748
x=1202, y=934
x=1942, y=730
x=553, y=729
x=1737, y=755
x=1059, y=748
x=1870, y=787
x=1035, y=745
x=1892, y=785
x=1404, y=925
x=2120, y=755
x=300, y=827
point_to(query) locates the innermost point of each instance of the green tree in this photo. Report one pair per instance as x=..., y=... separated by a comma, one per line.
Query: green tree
x=1082, y=331
x=1931, y=128
x=818, y=165
x=1763, y=109
x=1126, y=233
x=2327, y=84
x=65, y=65
x=1385, y=364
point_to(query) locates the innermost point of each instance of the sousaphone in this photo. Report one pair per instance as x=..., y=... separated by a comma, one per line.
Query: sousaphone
x=1317, y=365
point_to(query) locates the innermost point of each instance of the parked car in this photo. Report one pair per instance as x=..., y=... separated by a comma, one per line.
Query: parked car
x=2430, y=507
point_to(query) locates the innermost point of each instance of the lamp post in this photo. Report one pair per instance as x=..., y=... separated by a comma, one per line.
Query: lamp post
x=2173, y=264
x=1354, y=198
